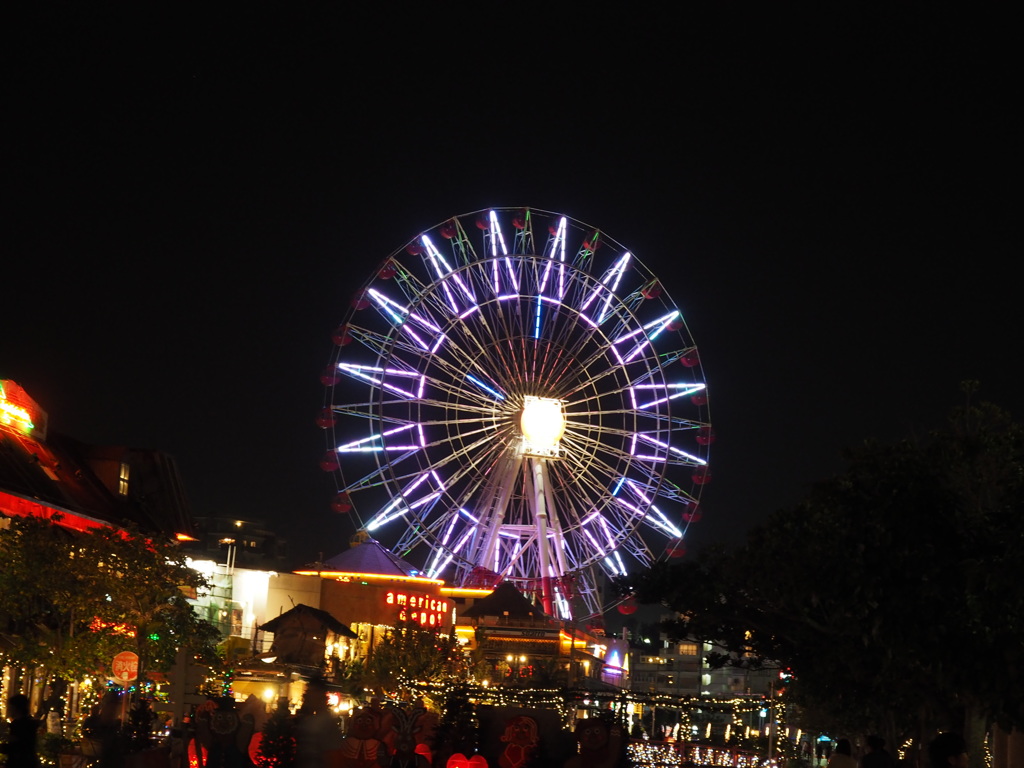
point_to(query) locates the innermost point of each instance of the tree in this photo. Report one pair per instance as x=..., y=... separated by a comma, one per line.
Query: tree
x=69, y=600
x=417, y=654
x=893, y=592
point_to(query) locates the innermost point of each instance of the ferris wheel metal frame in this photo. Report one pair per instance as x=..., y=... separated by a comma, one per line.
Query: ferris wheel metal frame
x=498, y=411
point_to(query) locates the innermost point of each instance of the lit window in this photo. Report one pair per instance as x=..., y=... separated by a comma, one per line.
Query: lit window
x=122, y=479
x=687, y=649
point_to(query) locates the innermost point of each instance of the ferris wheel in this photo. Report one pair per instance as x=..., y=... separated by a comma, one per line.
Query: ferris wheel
x=513, y=396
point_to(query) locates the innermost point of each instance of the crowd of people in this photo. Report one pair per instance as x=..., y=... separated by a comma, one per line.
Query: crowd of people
x=392, y=738
x=947, y=750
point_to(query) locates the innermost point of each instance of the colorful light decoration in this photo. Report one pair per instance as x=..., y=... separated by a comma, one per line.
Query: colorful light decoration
x=525, y=408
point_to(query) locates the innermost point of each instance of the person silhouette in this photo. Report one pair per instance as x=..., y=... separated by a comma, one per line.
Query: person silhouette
x=20, y=747
x=948, y=750
x=877, y=756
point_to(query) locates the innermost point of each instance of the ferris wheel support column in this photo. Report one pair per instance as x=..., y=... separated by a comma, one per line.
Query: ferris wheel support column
x=541, y=515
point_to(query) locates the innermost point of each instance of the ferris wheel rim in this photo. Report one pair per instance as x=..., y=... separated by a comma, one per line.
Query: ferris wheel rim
x=406, y=359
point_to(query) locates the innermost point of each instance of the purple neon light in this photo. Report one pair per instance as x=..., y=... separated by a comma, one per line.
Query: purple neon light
x=614, y=275
x=497, y=239
x=357, y=371
x=400, y=315
x=440, y=261
x=354, y=446
x=687, y=389
x=668, y=447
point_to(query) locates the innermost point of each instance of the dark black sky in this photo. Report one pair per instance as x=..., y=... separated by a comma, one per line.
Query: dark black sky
x=188, y=202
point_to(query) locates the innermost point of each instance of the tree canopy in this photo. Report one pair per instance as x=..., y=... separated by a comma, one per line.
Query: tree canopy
x=893, y=592
x=69, y=600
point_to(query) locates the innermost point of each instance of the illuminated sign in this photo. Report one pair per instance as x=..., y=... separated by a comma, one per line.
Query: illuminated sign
x=19, y=412
x=423, y=609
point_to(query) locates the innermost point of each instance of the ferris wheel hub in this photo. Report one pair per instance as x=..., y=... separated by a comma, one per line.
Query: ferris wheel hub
x=542, y=424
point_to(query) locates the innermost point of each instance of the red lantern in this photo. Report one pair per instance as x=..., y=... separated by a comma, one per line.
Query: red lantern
x=478, y=761
x=482, y=223
x=330, y=376
x=675, y=325
x=699, y=399
x=360, y=302
x=702, y=476
x=388, y=271
x=692, y=515
x=651, y=291
x=325, y=418
x=458, y=760
x=415, y=248
x=627, y=606
x=519, y=220
x=329, y=462
x=690, y=359
x=341, y=336
x=342, y=503
x=676, y=548
x=705, y=435
x=449, y=230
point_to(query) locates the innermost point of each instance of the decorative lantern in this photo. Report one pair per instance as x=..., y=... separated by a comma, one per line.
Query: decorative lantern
x=449, y=230
x=690, y=359
x=388, y=271
x=414, y=248
x=329, y=462
x=482, y=223
x=342, y=503
x=627, y=606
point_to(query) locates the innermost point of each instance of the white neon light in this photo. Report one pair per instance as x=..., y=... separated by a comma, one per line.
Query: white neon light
x=618, y=558
x=400, y=315
x=683, y=390
x=383, y=516
x=498, y=240
x=613, y=275
x=661, y=323
x=443, y=270
x=669, y=448
x=358, y=371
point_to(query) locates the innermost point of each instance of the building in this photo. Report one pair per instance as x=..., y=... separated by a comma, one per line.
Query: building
x=46, y=474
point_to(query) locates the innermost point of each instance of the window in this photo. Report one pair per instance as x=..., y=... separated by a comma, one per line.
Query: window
x=122, y=479
x=687, y=649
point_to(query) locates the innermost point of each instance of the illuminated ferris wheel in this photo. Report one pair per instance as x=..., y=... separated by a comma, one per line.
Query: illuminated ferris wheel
x=514, y=396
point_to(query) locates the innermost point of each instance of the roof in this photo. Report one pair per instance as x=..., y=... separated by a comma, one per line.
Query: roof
x=301, y=609
x=369, y=556
x=505, y=600
x=64, y=475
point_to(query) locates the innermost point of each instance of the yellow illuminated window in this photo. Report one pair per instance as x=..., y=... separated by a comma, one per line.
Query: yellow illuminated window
x=122, y=479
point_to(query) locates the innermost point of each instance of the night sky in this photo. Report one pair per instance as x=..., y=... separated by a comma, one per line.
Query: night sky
x=189, y=202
